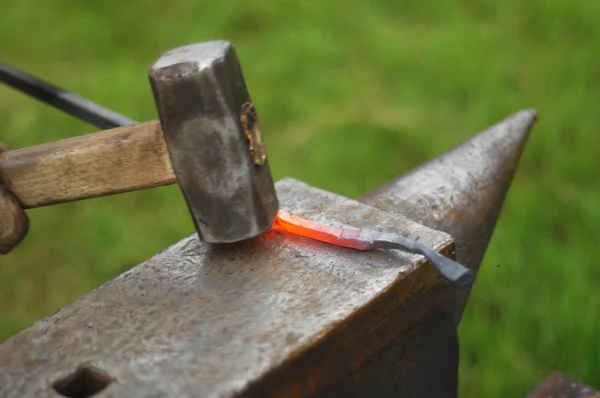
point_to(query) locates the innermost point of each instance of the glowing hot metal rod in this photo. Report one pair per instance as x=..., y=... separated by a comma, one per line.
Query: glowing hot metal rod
x=365, y=239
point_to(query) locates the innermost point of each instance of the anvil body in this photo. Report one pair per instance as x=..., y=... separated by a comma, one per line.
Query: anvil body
x=282, y=315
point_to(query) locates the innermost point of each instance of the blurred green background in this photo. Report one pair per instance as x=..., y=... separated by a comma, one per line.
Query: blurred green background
x=351, y=94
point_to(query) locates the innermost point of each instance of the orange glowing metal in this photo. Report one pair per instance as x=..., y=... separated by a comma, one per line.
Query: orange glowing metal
x=336, y=236
x=364, y=239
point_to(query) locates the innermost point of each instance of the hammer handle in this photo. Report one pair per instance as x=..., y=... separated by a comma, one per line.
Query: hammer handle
x=108, y=162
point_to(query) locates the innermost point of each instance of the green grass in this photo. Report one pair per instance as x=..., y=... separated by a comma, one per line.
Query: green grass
x=350, y=94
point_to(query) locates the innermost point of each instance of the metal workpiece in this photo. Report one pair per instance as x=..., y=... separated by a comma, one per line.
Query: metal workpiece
x=275, y=316
x=364, y=239
x=462, y=191
x=214, y=141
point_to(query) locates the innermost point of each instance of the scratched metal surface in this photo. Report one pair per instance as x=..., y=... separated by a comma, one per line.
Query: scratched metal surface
x=204, y=321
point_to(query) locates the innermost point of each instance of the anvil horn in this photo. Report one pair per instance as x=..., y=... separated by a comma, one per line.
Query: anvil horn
x=461, y=192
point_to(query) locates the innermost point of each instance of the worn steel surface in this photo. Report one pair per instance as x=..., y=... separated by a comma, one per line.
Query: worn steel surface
x=278, y=315
x=214, y=141
x=558, y=385
x=462, y=191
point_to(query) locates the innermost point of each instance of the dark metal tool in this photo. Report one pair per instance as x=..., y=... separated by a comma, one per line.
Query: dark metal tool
x=214, y=141
x=208, y=139
x=68, y=102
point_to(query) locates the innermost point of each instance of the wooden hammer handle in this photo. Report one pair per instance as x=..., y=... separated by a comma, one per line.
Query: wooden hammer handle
x=108, y=162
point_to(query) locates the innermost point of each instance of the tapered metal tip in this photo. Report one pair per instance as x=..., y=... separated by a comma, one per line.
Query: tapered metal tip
x=461, y=192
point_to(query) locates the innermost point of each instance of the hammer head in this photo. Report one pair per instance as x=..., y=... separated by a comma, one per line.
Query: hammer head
x=214, y=141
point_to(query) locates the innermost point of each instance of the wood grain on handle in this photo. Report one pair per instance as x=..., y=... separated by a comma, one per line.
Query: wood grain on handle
x=104, y=163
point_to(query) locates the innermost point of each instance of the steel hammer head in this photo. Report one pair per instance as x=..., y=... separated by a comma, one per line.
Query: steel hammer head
x=214, y=141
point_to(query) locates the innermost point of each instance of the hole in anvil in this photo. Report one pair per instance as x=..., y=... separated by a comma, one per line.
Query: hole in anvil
x=85, y=382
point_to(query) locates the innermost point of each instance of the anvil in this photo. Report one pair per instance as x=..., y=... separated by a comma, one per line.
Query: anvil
x=282, y=315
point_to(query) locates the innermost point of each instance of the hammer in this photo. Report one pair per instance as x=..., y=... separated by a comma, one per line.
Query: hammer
x=207, y=139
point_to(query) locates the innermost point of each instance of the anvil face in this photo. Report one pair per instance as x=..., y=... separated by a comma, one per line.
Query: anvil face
x=217, y=320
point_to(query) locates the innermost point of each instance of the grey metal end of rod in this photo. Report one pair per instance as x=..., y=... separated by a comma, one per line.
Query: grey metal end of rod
x=456, y=274
x=68, y=102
